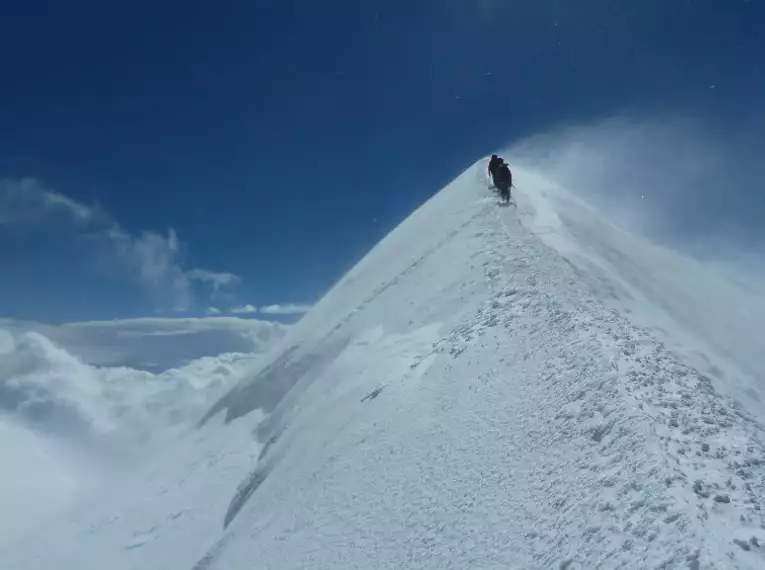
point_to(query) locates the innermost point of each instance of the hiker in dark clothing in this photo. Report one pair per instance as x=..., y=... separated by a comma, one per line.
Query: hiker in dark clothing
x=494, y=162
x=503, y=179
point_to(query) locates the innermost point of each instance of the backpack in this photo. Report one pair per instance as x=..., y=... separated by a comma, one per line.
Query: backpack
x=503, y=175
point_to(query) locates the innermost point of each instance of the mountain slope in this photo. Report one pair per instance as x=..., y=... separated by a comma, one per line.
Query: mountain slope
x=486, y=389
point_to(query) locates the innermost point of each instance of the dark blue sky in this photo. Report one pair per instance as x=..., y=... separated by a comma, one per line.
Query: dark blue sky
x=282, y=139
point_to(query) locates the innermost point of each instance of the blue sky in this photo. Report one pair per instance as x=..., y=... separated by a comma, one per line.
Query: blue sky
x=162, y=158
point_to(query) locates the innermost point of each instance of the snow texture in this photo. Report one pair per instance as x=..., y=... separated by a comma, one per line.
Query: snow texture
x=490, y=387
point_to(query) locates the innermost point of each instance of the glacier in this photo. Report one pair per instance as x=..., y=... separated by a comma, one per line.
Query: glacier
x=490, y=387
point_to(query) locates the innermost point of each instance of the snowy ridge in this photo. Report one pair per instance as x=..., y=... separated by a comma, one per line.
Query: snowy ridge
x=483, y=390
x=609, y=431
x=657, y=452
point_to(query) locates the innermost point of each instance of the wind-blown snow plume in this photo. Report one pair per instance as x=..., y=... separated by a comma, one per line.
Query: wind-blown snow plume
x=686, y=182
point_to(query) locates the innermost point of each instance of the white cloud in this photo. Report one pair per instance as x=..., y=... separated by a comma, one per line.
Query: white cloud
x=286, y=309
x=244, y=310
x=217, y=280
x=149, y=258
x=213, y=311
x=26, y=202
x=157, y=343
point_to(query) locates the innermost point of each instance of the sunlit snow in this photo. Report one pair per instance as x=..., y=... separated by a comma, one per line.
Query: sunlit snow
x=490, y=387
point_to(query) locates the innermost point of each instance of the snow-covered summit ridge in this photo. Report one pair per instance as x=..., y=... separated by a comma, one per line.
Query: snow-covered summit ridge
x=490, y=387
x=570, y=383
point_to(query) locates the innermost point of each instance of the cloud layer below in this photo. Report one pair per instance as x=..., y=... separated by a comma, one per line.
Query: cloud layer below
x=157, y=344
x=285, y=309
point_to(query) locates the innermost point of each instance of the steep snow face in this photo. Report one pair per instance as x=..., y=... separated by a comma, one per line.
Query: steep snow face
x=491, y=387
